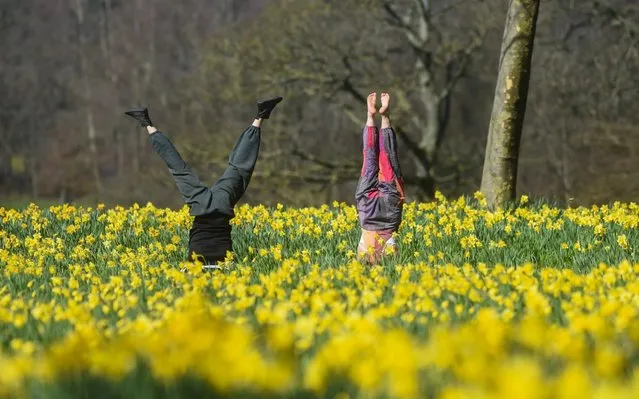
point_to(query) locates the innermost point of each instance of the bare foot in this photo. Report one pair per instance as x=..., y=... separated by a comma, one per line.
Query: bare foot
x=372, y=99
x=385, y=102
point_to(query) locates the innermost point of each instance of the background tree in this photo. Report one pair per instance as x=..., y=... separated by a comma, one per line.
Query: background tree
x=336, y=52
x=499, y=180
x=79, y=8
x=581, y=131
x=199, y=65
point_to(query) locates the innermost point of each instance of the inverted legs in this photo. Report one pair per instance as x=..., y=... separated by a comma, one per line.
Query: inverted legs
x=380, y=191
x=195, y=194
x=228, y=190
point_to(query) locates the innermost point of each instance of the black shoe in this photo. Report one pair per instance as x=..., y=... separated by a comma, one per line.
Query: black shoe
x=264, y=108
x=141, y=115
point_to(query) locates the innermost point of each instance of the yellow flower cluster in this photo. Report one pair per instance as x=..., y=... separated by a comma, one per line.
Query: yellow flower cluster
x=478, y=303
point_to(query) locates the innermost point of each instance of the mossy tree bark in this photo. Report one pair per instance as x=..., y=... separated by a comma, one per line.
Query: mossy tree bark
x=499, y=178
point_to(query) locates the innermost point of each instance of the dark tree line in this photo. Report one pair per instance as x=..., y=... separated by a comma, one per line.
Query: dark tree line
x=68, y=68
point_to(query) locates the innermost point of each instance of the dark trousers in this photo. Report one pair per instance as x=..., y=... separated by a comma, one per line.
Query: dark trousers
x=227, y=190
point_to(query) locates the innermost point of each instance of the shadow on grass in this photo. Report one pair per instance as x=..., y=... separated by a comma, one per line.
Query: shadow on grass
x=141, y=385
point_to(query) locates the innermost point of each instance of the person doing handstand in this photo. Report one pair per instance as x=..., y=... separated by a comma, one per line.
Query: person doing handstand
x=380, y=190
x=212, y=207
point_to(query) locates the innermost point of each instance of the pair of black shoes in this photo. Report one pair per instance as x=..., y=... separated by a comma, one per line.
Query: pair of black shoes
x=264, y=109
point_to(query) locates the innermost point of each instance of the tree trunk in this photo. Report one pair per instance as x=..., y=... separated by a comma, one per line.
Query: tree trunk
x=565, y=177
x=142, y=76
x=88, y=97
x=430, y=119
x=106, y=40
x=106, y=44
x=33, y=163
x=119, y=146
x=499, y=178
x=425, y=184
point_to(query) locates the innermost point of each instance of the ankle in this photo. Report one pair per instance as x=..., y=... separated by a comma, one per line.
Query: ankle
x=386, y=122
x=257, y=122
x=151, y=129
x=370, y=120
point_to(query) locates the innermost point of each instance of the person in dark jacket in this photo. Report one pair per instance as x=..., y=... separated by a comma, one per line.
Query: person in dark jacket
x=380, y=190
x=212, y=207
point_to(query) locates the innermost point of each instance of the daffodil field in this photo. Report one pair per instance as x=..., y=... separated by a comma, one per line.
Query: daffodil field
x=526, y=302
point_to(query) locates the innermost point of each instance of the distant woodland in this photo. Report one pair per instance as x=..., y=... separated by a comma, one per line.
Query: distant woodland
x=70, y=68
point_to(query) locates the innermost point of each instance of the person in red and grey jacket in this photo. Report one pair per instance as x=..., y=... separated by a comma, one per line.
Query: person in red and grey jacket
x=212, y=207
x=380, y=190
